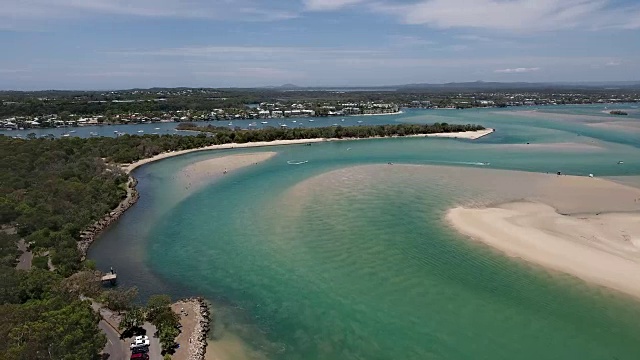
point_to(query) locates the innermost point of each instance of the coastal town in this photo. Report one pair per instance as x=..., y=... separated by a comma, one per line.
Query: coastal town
x=24, y=110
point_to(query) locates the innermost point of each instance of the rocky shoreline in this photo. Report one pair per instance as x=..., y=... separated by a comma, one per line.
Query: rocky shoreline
x=198, y=338
x=88, y=235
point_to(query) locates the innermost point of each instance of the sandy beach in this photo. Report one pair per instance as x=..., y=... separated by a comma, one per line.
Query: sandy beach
x=599, y=242
x=199, y=174
x=472, y=135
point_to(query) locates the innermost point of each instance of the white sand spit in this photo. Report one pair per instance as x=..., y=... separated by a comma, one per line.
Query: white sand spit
x=130, y=167
x=603, y=249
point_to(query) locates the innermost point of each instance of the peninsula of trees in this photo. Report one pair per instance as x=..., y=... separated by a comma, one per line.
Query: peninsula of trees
x=223, y=135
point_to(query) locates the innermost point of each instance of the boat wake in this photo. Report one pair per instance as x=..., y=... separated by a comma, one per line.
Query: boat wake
x=293, y=162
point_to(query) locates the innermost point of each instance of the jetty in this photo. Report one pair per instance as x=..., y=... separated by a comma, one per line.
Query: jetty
x=111, y=277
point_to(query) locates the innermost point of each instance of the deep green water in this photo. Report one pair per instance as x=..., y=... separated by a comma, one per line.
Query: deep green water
x=320, y=261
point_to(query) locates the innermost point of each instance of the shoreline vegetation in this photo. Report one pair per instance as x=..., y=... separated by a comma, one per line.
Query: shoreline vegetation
x=60, y=194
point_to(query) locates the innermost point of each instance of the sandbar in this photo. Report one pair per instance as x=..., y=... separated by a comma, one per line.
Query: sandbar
x=201, y=173
x=470, y=135
x=598, y=247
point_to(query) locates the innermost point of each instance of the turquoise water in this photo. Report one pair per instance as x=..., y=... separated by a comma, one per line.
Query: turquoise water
x=330, y=261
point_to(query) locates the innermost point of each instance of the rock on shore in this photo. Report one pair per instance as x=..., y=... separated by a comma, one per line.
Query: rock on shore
x=88, y=235
x=198, y=337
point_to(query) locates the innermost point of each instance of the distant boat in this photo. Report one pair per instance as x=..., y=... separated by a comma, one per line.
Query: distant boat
x=72, y=131
x=283, y=125
x=65, y=135
x=93, y=133
x=334, y=125
x=342, y=120
x=156, y=129
x=359, y=121
x=155, y=133
x=620, y=162
x=294, y=162
x=230, y=124
x=311, y=120
x=294, y=121
x=115, y=131
x=264, y=122
x=140, y=131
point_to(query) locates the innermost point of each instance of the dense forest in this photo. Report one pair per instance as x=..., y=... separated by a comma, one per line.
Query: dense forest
x=51, y=189
x=223, y=135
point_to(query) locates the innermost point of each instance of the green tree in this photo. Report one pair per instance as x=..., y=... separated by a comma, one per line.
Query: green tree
x=119, y=299
x=132, y=318
x=70, y=332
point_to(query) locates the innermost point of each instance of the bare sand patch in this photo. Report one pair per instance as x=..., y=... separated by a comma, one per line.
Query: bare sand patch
x=602, y=249
x=470, y=135
x=199, y=174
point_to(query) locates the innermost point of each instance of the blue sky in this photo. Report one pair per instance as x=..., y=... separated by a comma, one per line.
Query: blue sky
x=112, y=44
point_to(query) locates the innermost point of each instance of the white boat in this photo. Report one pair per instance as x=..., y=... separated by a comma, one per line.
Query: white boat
x=294, y=121
x=311, y=120
x=359, y=121
x=334, y=125
x=115, y=131
x=156, y=128
x=620, y=162
x=283, y=125
x=140, y=131
x=65, y=135
x=230, y=124
x=342, y=120
x=93, y=133
x=264, y=122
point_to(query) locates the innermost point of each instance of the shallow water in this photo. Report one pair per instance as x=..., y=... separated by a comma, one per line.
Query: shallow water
x=325, y=261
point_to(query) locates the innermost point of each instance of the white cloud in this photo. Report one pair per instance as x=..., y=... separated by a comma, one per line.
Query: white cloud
x=14, y=12
x=329, y=5
x=250, y=52
x=517, y=70
x=515, y=15
x=613, y=63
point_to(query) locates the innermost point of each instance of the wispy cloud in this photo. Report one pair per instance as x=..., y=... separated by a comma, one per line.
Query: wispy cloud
x=515, y=15
x=613, y=63
x=15, y=11
x=517, y=70
x=250, y=52
x=409, y=41
x=329, y=5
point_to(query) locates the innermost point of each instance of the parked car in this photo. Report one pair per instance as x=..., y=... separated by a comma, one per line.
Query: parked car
x=141, y=349
x=139, y=341
x=140, y=356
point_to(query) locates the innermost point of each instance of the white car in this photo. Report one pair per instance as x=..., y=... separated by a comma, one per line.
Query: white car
x=140, y=341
